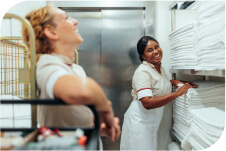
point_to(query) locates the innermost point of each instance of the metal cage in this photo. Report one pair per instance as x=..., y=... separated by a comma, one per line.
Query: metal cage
x=17, y=72
x=15, y=68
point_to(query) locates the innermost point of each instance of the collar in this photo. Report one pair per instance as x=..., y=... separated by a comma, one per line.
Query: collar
x=65, y=59
x=147, y=63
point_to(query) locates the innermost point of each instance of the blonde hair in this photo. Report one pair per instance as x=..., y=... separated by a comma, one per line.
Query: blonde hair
x=39, y=19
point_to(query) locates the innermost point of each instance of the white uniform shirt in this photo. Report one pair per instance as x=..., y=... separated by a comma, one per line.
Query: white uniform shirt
x=49, y=69
x=147, y=81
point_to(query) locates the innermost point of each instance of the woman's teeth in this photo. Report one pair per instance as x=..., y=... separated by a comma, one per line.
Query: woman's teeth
x=76, y=30
x=157, y=56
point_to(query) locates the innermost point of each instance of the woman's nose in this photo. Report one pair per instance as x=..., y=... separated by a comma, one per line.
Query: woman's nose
x=155, y=51
x=75, y=22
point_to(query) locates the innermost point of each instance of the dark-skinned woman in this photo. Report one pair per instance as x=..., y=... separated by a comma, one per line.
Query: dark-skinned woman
x=151, y=90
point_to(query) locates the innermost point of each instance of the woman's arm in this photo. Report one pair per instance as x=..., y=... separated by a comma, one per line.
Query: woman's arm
x=155, y=102
x=76, y=90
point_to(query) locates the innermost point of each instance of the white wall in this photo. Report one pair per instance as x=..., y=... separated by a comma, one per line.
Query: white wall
x=13, y=27
x=163, y=29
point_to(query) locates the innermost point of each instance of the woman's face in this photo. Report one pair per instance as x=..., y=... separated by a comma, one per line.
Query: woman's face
x=66, y=28
x=152, y=53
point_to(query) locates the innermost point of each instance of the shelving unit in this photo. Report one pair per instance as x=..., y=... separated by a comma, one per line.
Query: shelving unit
x=182, y=6
x=215, y=73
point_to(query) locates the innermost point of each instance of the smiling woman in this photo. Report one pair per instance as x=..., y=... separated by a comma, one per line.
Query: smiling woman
x=57, y=76
x=66, y=29
x=151, y=91
x=152, y=53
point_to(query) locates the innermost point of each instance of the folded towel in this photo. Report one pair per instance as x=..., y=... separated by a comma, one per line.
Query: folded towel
x=212, y=116
x=174, y=146
x=15, y=115
x=182, y=29
x=185, y=144
x=210, y=138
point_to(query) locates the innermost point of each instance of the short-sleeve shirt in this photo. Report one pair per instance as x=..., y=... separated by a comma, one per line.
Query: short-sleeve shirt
x=49, y=68
x=147, y=81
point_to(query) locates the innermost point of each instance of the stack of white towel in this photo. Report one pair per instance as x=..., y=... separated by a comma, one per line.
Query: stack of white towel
x=208, y=95
x=210, y=35
x=206, y=127
x=14, y=115
x=182, y=47
x=202, y=46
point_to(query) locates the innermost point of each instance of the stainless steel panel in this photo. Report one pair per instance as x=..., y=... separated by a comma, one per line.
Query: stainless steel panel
x=89, y=26
x=109, y=3
x=121, y=29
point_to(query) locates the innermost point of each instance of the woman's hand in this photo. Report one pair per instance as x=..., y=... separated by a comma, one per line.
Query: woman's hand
x=176, y=82
x=183, y=89
x=109, y=126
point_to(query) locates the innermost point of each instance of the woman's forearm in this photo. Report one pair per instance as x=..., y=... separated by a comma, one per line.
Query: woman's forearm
x=159, y=101
x=176, y=82
x=97, y=94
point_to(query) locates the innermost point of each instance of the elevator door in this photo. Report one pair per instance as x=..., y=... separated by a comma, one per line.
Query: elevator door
x=108, y=53
x=121, y=29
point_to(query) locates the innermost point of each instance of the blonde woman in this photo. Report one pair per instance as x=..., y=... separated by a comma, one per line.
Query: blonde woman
x=57, y=76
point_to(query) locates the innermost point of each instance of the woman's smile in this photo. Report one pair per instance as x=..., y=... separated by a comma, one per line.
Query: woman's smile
x=152, y=52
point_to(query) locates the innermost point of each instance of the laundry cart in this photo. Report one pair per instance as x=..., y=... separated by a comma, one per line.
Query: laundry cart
x=17, y=91
x=15, y=68
x=17, y=72
x=62, y=138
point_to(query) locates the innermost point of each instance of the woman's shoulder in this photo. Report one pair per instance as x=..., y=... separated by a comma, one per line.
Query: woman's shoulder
x=48, y=59
x=142, y=68
x=76, y=66
x=79, y=70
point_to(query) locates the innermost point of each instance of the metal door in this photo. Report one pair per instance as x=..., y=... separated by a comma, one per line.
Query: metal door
x=108, y=53
x=121, y=29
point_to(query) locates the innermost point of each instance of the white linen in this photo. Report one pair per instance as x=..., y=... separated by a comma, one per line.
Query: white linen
x=199, y=115
x=206, y=37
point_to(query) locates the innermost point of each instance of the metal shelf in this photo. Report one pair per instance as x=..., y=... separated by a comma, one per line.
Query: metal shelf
x=175, y=136
x=180, y=4
x=216, y=73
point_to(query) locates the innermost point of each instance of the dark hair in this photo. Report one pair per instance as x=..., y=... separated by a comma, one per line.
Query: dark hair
x=141, y=45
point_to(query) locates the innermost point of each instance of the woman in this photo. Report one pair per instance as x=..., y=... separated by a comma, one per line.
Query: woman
x=57, y=76
x=151, y=91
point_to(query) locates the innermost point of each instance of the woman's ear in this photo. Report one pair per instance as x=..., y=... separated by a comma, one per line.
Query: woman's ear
x=50, y=33
x=143, y=57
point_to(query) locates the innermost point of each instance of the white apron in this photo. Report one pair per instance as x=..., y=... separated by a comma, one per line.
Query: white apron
x=140, y=127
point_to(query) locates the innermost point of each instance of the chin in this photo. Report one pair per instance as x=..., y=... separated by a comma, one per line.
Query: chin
x=80, y=40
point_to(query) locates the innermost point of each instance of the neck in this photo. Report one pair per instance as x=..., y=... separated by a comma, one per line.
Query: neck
x=65, y=50
x=157, y=67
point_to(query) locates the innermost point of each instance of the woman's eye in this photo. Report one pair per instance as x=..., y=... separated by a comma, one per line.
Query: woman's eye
x=149, y=50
